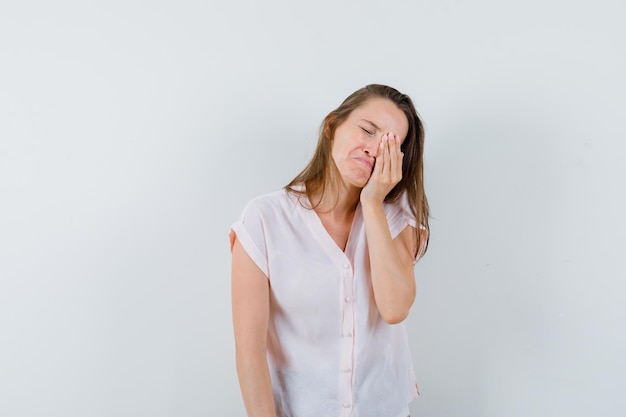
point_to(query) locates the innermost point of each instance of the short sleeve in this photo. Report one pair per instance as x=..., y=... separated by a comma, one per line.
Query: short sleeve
x=399, y=216
x=250, y=231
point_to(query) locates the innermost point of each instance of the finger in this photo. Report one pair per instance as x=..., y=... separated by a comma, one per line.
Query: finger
x=398, y=159
x=394, y=148
x=379, y=162
x=389, y=143
x=382, y=157
x=395, y=164
x=386, y=156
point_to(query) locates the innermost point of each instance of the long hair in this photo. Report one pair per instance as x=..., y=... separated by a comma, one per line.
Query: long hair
x=321, y=170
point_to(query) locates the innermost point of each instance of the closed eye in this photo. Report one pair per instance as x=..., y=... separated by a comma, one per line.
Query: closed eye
x=366, y=131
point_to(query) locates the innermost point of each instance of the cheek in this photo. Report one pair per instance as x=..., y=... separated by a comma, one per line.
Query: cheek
x=336, y=154
x=339, y=148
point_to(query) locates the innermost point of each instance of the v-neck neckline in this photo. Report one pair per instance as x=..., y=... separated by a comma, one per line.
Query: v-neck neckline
x=320, y=231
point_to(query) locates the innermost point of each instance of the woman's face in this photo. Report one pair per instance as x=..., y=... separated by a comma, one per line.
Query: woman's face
x=356, y=141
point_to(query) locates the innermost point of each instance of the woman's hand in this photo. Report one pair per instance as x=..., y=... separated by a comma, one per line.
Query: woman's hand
x=387, y=170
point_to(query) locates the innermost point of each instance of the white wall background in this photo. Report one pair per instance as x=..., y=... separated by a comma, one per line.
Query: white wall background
x=133, y=132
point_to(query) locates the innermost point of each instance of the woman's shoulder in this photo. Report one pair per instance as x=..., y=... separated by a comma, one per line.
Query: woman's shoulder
x=272, y=202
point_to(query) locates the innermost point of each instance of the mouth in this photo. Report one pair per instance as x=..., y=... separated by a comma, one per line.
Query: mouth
x=368, y=163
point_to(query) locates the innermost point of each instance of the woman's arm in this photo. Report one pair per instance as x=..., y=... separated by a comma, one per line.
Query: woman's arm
x=250, y=301
x=391, y=260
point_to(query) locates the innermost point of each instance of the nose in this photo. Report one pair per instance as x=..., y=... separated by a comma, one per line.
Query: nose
x=371, y=149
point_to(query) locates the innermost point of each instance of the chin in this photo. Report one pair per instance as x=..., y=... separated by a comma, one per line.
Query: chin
x=359, y=182
x=357, y=179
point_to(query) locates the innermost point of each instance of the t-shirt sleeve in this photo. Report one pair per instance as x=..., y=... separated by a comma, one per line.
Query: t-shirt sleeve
x=250, y=231
x=399, y=216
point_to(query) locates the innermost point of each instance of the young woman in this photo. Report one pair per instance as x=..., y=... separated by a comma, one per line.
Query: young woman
x=322, y=271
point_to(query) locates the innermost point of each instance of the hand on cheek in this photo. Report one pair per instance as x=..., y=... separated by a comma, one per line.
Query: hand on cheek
x=387, y=169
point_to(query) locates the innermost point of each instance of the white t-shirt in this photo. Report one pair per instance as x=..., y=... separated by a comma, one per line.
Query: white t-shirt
x=329, y=351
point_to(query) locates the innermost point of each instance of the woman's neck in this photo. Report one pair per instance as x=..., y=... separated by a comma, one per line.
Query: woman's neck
x=336, y=212
x=338, y=203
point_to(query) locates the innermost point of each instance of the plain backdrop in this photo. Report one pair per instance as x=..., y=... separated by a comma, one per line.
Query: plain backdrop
x=132, y=133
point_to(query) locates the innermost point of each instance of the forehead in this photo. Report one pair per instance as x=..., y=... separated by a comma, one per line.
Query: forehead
x=384, y=114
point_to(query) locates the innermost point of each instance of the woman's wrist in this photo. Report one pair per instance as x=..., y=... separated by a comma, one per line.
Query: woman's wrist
x=369, y=200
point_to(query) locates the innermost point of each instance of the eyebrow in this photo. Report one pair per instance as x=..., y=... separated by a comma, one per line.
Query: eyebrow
x=372, y=123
